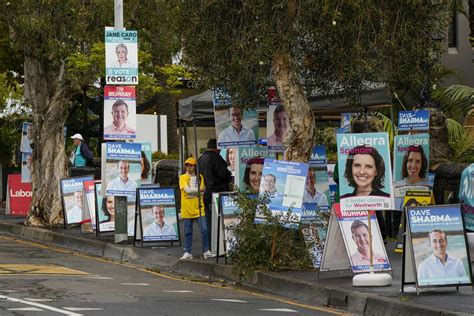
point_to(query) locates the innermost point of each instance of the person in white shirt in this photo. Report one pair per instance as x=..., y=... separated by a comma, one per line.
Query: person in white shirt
x=311, y=195
x=439, y=267
x=281, y=123
x=26, y=167
x=74, y=214
x=158, y=227
x=360, y=235
x=122, y=184
x=27, y=139
x=122, y=60
x=236, y=132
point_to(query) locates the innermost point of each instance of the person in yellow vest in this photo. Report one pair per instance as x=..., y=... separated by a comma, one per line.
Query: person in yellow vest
x=192, y=208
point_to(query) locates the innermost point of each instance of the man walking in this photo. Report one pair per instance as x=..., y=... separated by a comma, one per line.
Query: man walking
x=216, y=176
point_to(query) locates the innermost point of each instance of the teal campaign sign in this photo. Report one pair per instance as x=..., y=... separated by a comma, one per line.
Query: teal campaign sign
x=466, y=196
x=121, y=57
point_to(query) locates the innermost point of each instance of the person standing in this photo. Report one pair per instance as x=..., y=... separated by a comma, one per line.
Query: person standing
x=192, y=209
x=216, y=176
x=81, y=156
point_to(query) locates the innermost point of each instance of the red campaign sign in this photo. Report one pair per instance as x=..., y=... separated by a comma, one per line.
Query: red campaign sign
x=119, y=92
x=19, y=195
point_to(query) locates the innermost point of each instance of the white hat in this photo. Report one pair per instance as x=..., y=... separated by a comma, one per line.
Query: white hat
x=77, y=136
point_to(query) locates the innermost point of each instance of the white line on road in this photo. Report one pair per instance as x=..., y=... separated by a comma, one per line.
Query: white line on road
x=26, y=309
x=38, y=299
x=227, y=300
x=178, y=291
x=78, y=309
x=51, y=308
x=134, y=283
x=98, y=277
x=284, y=310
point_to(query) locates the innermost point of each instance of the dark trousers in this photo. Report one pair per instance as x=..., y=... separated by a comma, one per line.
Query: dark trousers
x=208, y=211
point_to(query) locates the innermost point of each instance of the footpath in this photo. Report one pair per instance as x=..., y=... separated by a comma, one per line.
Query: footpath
x=330, y=288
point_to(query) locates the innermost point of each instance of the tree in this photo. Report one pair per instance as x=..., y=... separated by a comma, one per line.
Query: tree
x=310, y=47
x=48, y=35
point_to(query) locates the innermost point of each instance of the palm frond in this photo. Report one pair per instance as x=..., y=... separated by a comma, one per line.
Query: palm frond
x=457, y=100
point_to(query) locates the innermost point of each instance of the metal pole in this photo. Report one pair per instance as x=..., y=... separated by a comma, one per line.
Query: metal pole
x=120, y=202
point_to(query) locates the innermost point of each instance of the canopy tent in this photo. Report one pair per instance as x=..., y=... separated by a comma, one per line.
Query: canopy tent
x=376, y=98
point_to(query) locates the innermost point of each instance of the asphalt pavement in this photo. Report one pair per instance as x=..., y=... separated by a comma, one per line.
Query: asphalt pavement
x=308, y=287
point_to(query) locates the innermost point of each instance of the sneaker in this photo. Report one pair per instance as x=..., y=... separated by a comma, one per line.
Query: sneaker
x=186, y=256
x=207, y=254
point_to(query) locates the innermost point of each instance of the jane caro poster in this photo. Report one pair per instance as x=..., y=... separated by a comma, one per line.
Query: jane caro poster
x=158, y=214
x=365, y=177
x=235, y=126
x=72, y=191
x=411, y=163
x=121, y=57
x=284, y=182
x=249, y=167
x=439, y=245
x=120, y=119
x=122, y=170
x=355, y=231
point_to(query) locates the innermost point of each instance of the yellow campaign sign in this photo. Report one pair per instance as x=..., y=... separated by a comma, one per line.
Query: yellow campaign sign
x=33, y=269
x=418, y=198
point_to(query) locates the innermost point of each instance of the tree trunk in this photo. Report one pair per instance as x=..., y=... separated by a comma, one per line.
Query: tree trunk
x=439, y=145
x=46, y=92
x=300, y=139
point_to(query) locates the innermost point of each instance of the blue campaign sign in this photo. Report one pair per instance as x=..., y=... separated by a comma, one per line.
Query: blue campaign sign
x=122, y=170
x=418, y=120
x=284, y=183
x=439, y=245
x=318, y=156
x=121, y=57
x=74, y=184
x=466, y=196
x=158, y=214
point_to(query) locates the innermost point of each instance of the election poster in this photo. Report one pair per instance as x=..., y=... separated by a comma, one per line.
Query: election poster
x=121, y=57
x=278, y=122
x=26, y=137
x=158, y=215
x=26, y=167
x=317, y=181
x=365, y=175
x=146, y=164
x=229, y=213
x=235, y=126
x=249, y=166
x=283, y=182
x=105, y=210
x=355, y=231
x=120, y=119
x=466, y=196
x=417, y=120
x=122, y=169
x=18, y=196
x=72, y=193
x=346, y=119
x=314, y=227
x=438, y=243
x=89, y=205
x=411, y=163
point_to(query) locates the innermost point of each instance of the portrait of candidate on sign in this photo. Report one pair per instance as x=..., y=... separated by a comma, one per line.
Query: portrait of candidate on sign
x=26, y=138
x=236, y=127
x=278, y=127
x=119, y=116
x=72, y=191
x=122, y=169
x=159, y=223
x=439, y=245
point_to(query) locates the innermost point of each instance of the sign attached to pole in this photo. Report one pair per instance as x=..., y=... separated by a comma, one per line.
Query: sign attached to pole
x=120, y=119
x=121, y=57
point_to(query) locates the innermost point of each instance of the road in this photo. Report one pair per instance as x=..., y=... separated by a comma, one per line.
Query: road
x=37, y=279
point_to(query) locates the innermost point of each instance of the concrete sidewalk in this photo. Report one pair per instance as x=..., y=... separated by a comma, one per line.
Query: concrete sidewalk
x=332, y=288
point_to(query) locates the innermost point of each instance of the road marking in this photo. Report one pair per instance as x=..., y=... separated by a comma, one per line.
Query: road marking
x=145, y=284
x=78, y=309
x=170, y=277
x=38, y=299
x=177, y=291
x=98, y=278
x=43, y=306
x=283, y=310
x=227, y=300
x=9, y=269
x=26, y=309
